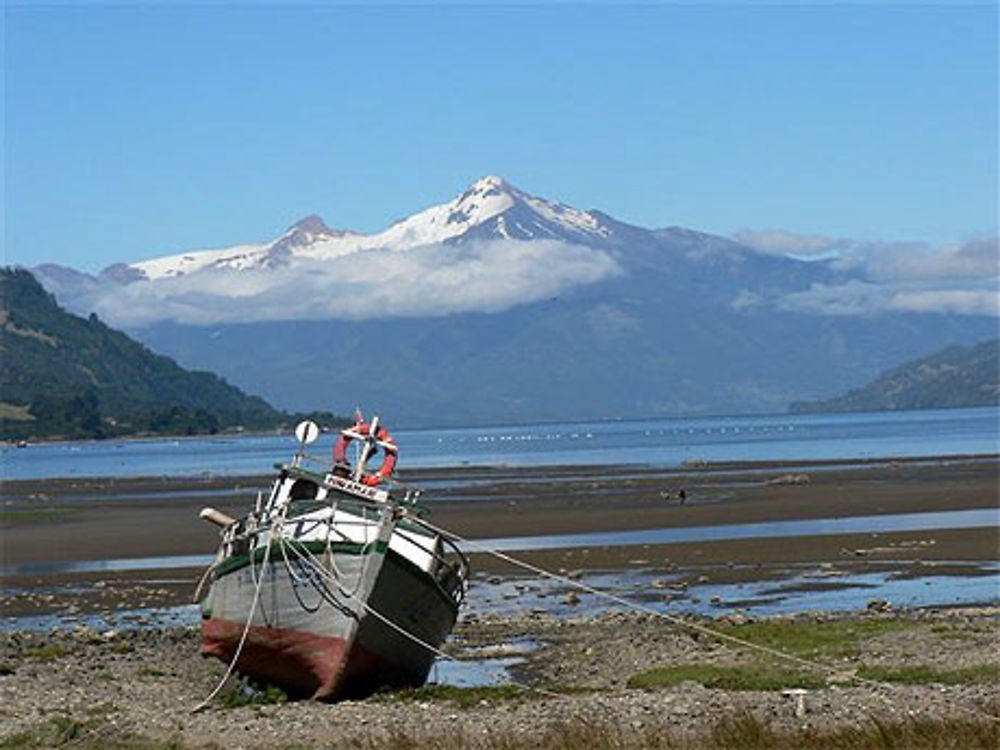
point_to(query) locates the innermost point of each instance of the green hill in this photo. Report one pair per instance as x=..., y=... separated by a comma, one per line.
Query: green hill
x=954, y=377
x=66, y=376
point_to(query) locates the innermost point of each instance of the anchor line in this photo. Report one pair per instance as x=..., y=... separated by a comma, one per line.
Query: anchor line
x=321, y=571
x=680, y=622
x=253, y=609
x=309, y=559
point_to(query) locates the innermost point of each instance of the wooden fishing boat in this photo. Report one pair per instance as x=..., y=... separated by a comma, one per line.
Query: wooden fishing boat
x=333, y=586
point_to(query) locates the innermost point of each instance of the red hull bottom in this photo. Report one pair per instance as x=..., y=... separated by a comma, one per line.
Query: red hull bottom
x=305, y=665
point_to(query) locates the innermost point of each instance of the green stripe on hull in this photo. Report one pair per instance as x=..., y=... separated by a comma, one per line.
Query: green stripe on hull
x=315, y=547
x=237, y=562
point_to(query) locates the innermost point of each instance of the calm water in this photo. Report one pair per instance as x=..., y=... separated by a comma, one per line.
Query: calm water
x=659, y=442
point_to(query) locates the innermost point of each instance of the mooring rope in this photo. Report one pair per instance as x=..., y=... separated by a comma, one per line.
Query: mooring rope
x=310, y=559
x=278, y=523
x=680, y=622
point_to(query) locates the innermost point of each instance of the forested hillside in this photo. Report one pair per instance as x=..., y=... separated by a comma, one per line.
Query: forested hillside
x=954, y=377
x=67, y=376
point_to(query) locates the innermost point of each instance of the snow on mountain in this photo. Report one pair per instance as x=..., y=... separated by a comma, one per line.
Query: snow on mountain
x=483, y=200
x=238, y=257
x=490, y=208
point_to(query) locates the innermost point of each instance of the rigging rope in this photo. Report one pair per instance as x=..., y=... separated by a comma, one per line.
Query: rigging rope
x=680, y=622
x=310, y=560
x=278, y=523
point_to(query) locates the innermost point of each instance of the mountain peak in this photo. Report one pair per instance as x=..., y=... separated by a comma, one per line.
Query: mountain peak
x=488, y=189
x=312, y=224
x=302, y=234
x=489, y=182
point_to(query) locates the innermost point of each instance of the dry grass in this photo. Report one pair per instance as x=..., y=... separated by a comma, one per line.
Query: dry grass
x=741, y=730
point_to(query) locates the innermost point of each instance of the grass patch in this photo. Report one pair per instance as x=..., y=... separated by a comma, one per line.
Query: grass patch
x=922, y=674
x=59, y=730
x=954, y=632
x=745, y=731
x=15, y=412
x=64, y=731
x=741, y=730
x=814, y=640
x=244, y=695
x=50, y=652
x=726, y=677
x=146, y=671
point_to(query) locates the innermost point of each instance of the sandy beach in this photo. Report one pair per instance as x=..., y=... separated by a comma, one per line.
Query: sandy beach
x=74, y=519
x=590, y=658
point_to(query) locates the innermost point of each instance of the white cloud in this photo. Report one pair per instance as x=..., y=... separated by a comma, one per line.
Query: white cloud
x=863, y=298
x=432, y=280
x=902, y=261
x=782, y=242
x=962, y=301
x=960, y=278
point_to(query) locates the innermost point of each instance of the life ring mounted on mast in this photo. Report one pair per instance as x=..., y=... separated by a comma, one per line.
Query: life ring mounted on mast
x=375, y=436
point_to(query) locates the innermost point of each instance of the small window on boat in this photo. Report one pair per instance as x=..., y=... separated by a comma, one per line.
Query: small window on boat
x=303, y=489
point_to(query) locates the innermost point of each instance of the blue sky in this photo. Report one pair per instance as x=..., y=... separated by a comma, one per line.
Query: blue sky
x=140, y=130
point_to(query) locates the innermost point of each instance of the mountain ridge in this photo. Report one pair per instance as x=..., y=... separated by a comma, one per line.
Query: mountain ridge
x=66, y=376
x=521, y=309
x=489, y=207
x=958, y=376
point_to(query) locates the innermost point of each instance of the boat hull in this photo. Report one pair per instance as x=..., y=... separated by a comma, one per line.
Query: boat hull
x=342, y=621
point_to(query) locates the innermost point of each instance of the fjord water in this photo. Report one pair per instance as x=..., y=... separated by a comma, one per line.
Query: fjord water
x=655, y=442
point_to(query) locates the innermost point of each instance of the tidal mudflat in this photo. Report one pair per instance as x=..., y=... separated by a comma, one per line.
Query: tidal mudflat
x=904, y=623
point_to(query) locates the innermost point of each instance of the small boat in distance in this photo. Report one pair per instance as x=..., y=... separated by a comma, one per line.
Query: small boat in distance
x=333, y=587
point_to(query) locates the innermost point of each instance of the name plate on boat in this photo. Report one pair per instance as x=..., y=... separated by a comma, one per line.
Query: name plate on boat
x=355, y=488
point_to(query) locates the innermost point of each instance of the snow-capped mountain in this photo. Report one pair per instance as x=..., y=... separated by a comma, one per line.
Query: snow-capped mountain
x=491, y=208
x=500, y=306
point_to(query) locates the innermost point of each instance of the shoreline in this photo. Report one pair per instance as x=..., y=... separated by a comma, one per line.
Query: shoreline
x=287, y=428
x=72, y=520
x=498, y=469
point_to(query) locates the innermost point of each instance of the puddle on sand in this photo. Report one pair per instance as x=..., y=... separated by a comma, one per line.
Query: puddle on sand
x=799, y=589
x=113, y=565
x=473, y=673
x=960, y=519
x=803, y=590
x=481, y=666
x=186, y=615
x=807, y=589
x=934, y=521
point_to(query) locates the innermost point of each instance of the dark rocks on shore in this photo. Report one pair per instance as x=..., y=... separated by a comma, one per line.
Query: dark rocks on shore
x=147, y=681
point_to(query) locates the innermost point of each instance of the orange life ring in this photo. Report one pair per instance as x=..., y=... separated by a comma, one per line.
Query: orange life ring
x=382, y=435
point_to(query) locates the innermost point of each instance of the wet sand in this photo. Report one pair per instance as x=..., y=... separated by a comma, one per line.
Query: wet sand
x=98, y=519
x=75, y=520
